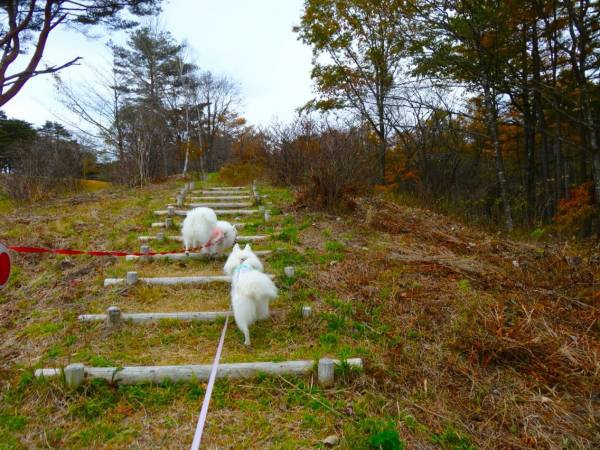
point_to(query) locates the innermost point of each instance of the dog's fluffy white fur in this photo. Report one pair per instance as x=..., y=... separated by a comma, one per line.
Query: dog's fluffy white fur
x=197, y=227
x=225, y=237
x=251, y=289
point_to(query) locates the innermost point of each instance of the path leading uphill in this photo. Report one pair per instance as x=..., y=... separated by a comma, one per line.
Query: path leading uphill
x=114, y=318
x=467, y=339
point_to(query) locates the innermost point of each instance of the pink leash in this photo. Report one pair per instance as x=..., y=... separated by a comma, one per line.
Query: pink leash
x=208, y=393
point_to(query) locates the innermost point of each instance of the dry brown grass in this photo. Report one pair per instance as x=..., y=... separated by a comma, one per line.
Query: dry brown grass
x=463, y=348
x=498, y=336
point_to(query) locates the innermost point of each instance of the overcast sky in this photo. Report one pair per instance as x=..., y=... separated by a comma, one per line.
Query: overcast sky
x=249, y=40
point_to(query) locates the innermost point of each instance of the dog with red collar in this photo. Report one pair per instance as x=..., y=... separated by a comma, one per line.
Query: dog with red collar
x=201, y=230
x=222, y=237
x=197, y=228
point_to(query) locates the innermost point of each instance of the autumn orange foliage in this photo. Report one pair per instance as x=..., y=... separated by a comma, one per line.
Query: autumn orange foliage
x=577, y=210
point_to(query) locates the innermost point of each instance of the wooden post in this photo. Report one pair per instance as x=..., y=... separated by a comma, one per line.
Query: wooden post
x=113, y=317
x=168, y=222
x=267, y=215
x=289, y=271
x=180, y=201
x=306, y=311
x=255, y=193
x=131, y=279
x=145, y=250
x=74, y=374
x=170, y=211
x=191, y=184
x=160, y=236
x=326, y=371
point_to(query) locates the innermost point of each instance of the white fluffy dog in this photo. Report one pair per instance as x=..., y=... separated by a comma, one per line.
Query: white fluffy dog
x=197, y=228
x=251, y=290
x=222, y=237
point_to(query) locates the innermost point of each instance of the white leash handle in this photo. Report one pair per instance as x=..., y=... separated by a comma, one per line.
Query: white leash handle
x=208, y=393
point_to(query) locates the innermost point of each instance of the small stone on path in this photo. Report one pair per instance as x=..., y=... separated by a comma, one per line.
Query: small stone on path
x=331, y=440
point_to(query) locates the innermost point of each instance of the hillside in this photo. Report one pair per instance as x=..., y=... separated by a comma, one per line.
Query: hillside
x=469, y=340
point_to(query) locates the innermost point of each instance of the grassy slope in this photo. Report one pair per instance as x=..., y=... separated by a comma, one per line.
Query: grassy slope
x=463, y=348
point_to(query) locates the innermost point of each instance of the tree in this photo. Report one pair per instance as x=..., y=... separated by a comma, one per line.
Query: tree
x=467, y=41
x=583, y=49
x=12, y=133
x=33, y=20
x=180, y=102
x=358, y=48
x=97, y=105
x=148, y=70
x=217, y=98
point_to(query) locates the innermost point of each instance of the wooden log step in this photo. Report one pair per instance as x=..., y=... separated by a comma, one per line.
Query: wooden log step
x=159, y=374
x=220, y=197
x=260, y=237
x=222, y=193
x=219, y=205
x=238, y=225
x=222, y=212
x=195, y=316
x=226, y=188
x=171, y=281
x=183, y=256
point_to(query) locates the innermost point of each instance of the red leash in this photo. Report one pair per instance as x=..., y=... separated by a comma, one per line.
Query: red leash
x=64, y=251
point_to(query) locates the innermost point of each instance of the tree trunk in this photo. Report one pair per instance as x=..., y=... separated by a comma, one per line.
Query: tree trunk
x=593, y=140
x=187, y=142
x=530, y=167
x=382, y=151
x=490, y=113
x=548, y=195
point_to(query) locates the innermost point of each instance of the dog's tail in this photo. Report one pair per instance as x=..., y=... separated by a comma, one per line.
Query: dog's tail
x=257, y=286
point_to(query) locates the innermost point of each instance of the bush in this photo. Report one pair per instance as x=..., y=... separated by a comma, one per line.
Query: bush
x=240, y=173
x=328, y=165
x=576, y=214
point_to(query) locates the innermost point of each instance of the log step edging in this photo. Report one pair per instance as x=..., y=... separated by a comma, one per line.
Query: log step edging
x=75, y=374
x=255, y=238
x=132, y=279
x=184, y=256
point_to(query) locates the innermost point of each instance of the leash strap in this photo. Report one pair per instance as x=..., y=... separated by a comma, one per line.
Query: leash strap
x=208, y=393
x=65, y=251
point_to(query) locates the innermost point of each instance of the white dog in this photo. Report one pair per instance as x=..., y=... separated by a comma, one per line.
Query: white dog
x=197, y=227
x=251, y=290
x=222, y=237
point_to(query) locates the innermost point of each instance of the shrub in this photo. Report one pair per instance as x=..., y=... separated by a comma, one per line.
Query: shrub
x=576, y=213
x=240, y=173
x=329, y=165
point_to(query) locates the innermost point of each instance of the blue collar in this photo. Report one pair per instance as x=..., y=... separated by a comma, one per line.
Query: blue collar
x=243, y=267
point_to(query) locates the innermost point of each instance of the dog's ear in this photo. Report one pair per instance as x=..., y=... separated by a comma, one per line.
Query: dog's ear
x=247, y=248
x=236, y=247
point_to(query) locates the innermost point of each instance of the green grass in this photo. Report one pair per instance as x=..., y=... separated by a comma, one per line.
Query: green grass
x=289, y=234
x=397, y=335
x=451, y=439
